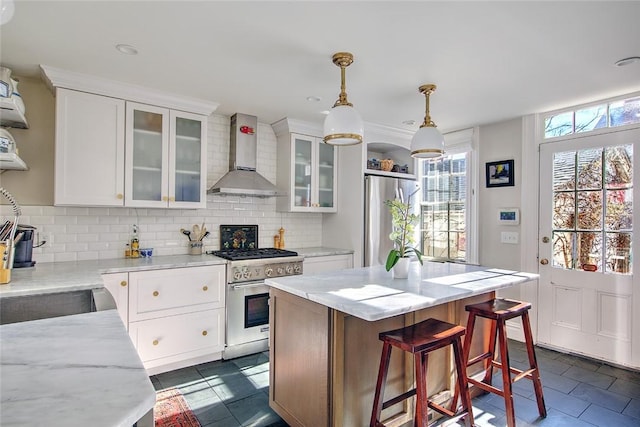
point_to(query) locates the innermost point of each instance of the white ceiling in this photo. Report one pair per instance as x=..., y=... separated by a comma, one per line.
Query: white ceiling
x=491, y=61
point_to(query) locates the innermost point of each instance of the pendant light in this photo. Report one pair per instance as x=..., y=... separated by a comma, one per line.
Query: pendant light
x=343, y=125
x=427, y=142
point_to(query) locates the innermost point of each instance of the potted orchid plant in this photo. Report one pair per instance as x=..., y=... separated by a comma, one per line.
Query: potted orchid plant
x=404, y=223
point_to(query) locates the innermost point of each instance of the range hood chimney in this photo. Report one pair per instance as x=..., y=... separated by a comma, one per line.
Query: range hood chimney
x=242, y=178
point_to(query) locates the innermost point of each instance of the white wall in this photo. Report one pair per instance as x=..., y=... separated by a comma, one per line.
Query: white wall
x=500, y=141
x=80, y=233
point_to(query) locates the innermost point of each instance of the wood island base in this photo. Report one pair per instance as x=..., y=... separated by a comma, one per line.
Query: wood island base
x=324, y=363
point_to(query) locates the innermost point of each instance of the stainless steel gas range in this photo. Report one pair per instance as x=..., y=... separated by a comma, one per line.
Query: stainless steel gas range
x=247, y=297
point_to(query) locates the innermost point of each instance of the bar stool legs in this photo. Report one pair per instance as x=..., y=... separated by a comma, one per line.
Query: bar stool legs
x=420, y=339
x=499, y=311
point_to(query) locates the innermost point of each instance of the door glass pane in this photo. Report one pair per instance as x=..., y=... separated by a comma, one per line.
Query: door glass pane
x=564, y=171
x=302, y=172
x=589, y=210
x=147, y=156
x=563, y=249
x=619, y=252
x=590, y=169
x=187, y=160
x=564, y=210
x=618, y=166
x=589, y=249
x=325, y=175
x=619, y=215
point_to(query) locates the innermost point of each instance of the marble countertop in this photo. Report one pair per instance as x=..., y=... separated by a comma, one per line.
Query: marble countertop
x=79, y=370
x=371, y=293
x=69, y=276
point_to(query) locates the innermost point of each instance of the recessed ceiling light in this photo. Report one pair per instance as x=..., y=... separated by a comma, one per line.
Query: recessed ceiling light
x=325, y=112
x=627, y=61
x=127, y=49
x=313, y=98
x=409, y=122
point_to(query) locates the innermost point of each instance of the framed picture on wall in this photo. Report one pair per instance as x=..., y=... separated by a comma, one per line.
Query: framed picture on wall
x=500, y=174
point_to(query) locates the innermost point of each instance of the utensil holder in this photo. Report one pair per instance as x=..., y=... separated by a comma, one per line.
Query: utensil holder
x=195, y=248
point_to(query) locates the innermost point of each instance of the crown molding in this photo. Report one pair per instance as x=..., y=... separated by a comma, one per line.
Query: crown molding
x=287, y=125
x=57, y=78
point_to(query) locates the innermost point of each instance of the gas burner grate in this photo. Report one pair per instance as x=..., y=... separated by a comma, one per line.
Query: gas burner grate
x=243, y=254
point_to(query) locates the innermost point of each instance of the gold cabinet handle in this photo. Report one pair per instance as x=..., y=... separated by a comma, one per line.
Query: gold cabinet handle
x=544, y=261
x=172, y=199
x=120, y=196
x=165, y=198
x=205, y=288
x=156, y=293
x=204, y=333
x=156, y=342
x=123, y=283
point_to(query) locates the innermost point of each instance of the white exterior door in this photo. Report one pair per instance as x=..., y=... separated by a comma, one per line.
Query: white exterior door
x=588, y=304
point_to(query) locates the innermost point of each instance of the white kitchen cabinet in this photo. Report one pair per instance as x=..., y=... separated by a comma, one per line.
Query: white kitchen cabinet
x=308, y=174
x=177, y=316
x=118, y=286
x=165, y=158
x=107, y=155
x=321, y=264
x=89, y=152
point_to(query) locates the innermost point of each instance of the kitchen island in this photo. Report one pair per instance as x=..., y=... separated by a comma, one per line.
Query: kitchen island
x=325, y=349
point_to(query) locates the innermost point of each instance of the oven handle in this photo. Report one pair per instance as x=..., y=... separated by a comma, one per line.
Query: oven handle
x=248, y=285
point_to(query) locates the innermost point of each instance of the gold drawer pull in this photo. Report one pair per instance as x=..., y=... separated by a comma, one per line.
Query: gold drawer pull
x=156, y=293
x=205, y=288
x=204, y=333
x=123, y=283
x=156, y=342
x=120, y=196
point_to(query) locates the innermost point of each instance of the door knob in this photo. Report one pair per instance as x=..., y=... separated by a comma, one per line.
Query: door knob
x=544, y=261
x=545, y=239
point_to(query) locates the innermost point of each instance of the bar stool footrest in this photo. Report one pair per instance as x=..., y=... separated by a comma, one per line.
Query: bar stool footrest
x=399, y=398
x=486, y=387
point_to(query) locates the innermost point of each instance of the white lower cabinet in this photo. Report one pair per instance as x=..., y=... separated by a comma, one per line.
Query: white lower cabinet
x=175, y=317
x=321, y=264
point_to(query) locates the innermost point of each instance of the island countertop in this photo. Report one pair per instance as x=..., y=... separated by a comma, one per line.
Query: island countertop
x=371, y=293
x=79, y=370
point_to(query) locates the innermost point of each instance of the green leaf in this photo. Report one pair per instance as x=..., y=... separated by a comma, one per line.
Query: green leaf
x=392, y=259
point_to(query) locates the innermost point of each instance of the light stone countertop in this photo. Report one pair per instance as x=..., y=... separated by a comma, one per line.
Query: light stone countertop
x=52, y=277
x=78, y=370
x=371, y=293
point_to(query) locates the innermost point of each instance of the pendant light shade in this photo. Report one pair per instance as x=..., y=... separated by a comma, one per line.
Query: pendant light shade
x=343, y=125
x=427, y=142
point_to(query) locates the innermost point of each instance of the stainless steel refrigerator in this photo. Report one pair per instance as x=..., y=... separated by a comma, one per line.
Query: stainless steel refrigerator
x=377, y=217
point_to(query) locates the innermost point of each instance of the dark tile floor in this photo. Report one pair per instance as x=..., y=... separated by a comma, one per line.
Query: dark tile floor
x=578, y=393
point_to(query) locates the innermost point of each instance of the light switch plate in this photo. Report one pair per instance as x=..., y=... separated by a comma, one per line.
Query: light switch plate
x=509, y=237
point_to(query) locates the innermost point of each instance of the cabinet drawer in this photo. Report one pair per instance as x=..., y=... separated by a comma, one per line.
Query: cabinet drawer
x=161, y=293
x=178, y=335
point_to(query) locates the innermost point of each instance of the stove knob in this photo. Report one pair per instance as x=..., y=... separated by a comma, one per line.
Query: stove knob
x=237, y=274
x=297, y=269
x=246, y=273
x=289, y=269
x=268, y=271
x=280, y=271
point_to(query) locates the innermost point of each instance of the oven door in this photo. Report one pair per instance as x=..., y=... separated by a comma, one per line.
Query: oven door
x=247, y=312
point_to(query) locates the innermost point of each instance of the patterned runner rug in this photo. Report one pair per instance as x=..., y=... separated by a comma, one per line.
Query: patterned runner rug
x=172, y=410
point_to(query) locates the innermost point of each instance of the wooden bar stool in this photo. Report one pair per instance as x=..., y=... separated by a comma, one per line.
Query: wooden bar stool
x=420, y=339
x=499, y=311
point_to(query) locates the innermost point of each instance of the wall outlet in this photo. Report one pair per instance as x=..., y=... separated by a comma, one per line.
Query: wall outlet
x=509, y=237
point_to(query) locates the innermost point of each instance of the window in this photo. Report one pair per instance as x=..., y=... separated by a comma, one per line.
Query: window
x=621, y=112
x=444, y=207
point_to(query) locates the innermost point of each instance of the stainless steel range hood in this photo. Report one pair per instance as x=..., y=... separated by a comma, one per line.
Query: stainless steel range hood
x=242, y=178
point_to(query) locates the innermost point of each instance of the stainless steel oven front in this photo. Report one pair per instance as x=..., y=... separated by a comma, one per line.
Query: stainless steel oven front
x=247, y=302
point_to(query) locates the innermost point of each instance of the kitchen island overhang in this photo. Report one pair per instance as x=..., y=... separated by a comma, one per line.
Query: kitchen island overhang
x=324, y=328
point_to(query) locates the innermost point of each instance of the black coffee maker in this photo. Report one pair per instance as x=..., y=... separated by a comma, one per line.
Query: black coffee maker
x=24, y=248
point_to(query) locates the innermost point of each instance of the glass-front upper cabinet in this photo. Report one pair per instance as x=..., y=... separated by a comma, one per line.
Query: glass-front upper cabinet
x=314, y=174
x=165, y=158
